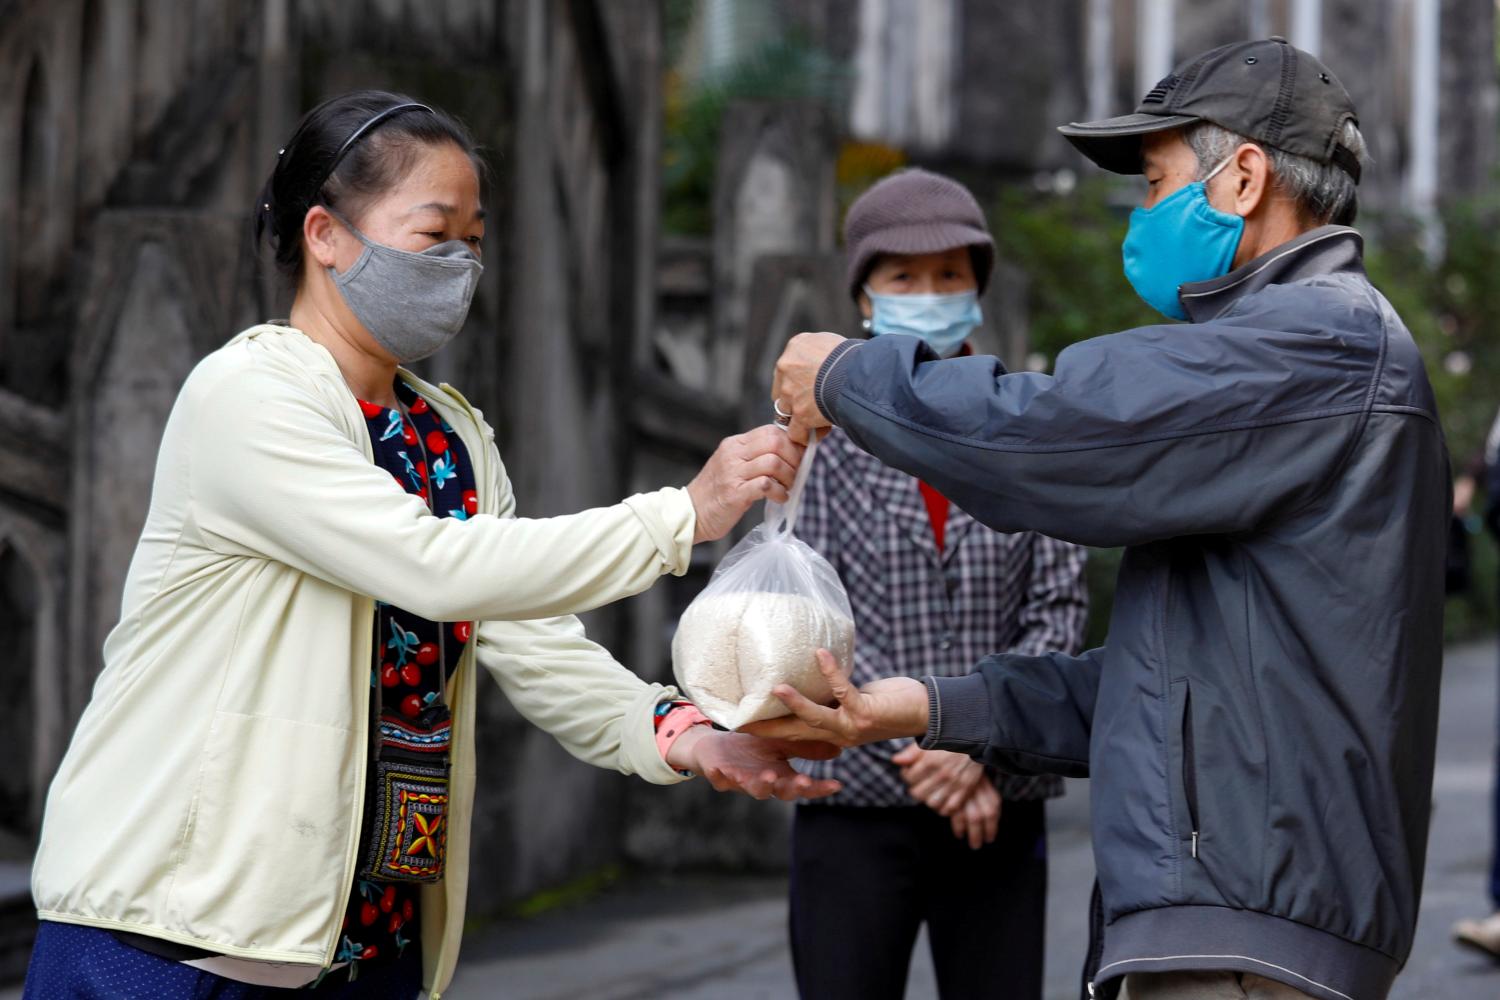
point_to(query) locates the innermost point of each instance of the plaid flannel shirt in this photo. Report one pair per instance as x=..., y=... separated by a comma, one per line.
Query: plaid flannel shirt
x=918, y=612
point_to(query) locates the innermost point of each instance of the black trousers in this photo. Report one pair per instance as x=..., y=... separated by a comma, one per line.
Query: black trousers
x=865, y=879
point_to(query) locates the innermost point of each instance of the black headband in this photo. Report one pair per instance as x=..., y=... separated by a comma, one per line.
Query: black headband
x=357, y=133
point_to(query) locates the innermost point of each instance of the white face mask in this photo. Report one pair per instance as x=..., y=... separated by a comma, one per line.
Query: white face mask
x=412, y=303
x=943, y=321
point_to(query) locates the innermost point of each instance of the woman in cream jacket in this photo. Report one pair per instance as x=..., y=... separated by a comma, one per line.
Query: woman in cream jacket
x=272, y=785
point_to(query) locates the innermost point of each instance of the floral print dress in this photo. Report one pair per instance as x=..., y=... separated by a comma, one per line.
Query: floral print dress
x=424, y=455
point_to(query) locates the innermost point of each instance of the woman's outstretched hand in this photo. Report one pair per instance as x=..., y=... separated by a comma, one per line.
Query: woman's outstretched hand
x=745, y=468
x=881, y=710
x=735, y=762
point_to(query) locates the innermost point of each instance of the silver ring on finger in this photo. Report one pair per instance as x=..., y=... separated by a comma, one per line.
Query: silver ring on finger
x=782, y=417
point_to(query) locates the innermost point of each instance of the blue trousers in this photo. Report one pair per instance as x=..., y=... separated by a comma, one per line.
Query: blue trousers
x=85, y=963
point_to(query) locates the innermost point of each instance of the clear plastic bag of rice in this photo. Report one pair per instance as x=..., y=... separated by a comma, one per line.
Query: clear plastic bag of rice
x=771, y=605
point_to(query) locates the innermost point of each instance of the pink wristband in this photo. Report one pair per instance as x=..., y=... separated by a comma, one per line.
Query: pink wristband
x=679, y=720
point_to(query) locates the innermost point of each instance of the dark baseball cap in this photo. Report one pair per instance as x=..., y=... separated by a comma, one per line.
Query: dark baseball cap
x=1267, y=91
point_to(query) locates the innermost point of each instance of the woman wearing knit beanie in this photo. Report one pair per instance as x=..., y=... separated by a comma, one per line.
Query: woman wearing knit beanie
x=921, y=836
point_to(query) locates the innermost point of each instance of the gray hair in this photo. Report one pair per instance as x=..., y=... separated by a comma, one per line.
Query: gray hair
x=1324, y=191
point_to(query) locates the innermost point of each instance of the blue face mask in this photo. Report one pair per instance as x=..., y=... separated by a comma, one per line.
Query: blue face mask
x=943, y=321
x=1181, y=240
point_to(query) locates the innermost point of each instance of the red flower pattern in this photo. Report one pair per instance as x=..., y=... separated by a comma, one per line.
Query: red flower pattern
x=384, y=914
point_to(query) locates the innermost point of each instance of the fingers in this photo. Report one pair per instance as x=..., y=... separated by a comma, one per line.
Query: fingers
x=800, y=430
x=769, y=439
x=927, y=768
x=823, y=789
x=809, y=751
x=787, y=729
x=933, y=778
x=960, y=824
x=763, y=785
x=772, y=467
x=803, y=787
x=907, y=755
x=824, y=720
x=962, y=783
x=718, y=779
x=985, y=806
x=930, y=789
x=791, y=789
x=770, y=783
x=761, y=488
x=975, y=815
x=757, y=785
x=838, y=680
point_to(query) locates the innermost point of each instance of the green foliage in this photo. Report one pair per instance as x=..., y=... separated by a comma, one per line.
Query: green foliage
x=1069, y=248
x=570, y=893
x=1453, y=311
x=789, y=68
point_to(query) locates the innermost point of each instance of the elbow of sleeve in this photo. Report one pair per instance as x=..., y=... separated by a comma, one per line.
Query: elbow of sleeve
x=669, y=520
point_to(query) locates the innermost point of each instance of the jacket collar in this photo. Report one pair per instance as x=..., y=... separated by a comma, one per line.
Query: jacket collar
x=312, y=358
x=1325, y=250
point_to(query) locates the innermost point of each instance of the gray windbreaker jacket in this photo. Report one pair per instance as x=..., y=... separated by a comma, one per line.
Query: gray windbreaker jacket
x=1260, y=724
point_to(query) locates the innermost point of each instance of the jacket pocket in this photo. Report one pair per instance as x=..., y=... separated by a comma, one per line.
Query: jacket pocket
x=265, y=854
x=1189, y=766
x=1186, y=765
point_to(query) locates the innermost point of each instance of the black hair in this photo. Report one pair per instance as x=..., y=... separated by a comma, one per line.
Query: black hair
x=319, y=165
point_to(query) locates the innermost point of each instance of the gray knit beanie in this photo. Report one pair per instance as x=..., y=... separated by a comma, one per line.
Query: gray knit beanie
x=913, y=212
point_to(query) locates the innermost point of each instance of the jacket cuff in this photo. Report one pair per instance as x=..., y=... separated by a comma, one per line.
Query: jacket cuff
x=670, y=520
x=831, y=378
x=958, y=714
x=641, y=754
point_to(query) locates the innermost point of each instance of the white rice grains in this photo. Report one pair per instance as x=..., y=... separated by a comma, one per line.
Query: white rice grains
x=732, y=649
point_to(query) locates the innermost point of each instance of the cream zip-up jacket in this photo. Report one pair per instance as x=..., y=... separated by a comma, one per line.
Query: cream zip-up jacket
x=212, y=793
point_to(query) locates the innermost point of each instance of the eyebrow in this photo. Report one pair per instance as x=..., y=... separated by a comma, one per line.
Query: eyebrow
x=445, y=209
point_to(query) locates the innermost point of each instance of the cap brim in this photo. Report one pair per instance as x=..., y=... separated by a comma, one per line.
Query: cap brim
x=1115, y=143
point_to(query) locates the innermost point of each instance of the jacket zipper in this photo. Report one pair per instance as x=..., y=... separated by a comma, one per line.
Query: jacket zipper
x=1189, y=767
x=477, y=458
x=1096, y=942
x=351, y=858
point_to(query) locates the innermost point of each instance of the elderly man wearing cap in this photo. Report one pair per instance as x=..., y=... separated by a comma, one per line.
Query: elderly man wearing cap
x=1260, y=724
x=920, y=836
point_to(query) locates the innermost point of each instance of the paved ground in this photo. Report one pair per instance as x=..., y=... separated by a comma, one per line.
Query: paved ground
x=725, y=938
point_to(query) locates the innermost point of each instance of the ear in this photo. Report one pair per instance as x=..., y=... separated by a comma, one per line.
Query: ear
x=1249, y=179
x=320, y=234
x=865, y=309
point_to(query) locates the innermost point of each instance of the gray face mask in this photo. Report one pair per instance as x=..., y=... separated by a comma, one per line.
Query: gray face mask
x=412, y=303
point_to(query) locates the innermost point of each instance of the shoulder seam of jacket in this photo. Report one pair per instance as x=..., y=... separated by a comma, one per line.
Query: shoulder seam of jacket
x=1364, y=415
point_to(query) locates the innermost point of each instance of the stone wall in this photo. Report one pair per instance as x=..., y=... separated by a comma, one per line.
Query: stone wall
x=134, y=137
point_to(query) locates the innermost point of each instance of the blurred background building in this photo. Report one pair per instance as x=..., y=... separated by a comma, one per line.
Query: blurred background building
x=667, y=185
